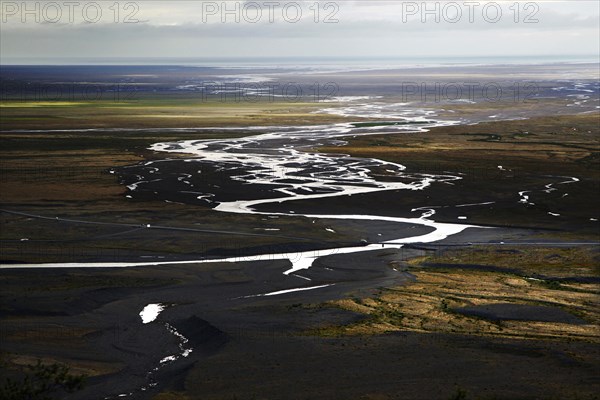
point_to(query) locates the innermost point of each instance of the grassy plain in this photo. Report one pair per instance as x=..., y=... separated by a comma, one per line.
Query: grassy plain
x=156, y=113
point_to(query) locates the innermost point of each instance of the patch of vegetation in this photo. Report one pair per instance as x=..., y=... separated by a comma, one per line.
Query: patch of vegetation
x=42, y=382
x=579, y=261
x=171, y=396
x=459, y=394
x=552, y=284
x=429, y=304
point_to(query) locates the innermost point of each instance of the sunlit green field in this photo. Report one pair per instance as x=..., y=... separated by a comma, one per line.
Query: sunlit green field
x=155, y=113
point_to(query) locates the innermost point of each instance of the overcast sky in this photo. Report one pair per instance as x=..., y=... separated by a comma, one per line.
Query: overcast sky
x=343, y=28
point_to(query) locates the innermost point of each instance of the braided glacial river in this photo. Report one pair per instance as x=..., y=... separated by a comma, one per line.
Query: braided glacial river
x=281, y=163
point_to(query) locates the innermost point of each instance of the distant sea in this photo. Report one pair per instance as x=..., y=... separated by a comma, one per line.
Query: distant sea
x=311, y=61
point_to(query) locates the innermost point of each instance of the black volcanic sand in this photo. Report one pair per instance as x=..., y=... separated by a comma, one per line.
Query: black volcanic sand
x=261, y=346
x=218, y=238
x=394, y=366
x=520, y=312
x=207, y=302
x=169, y=182
x=505, y=210
x=482, y=186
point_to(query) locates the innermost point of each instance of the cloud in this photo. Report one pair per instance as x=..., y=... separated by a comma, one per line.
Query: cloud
x=365, y=29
